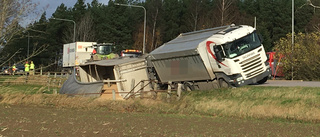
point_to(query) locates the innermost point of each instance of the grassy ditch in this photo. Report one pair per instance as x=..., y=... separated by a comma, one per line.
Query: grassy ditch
x=29, y=85
x=288, y=103
x=294, y=103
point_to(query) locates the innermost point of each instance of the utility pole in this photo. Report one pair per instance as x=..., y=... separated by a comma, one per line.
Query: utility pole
x=292, y=44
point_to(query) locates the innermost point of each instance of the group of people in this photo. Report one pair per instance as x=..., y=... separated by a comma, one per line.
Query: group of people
x=29, y=68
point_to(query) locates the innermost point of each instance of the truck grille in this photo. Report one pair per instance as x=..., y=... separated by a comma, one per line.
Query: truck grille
x=252, y=66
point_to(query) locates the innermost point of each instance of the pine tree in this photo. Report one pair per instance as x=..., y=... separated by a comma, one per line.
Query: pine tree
x=172, y=13
x=78, y=10
x=154, y=18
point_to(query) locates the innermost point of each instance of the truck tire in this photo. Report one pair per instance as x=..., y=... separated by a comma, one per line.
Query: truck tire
x=187, y=86
x=223, y=83
x=264, y=80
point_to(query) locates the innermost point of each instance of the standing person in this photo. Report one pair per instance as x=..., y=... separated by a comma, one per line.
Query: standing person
x=31, y=68
x=14, y=69
x=26, y=68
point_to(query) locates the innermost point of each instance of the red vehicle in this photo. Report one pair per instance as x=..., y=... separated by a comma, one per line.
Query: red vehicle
x=274, y=63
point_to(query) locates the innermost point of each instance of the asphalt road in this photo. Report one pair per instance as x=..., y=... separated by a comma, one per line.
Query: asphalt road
x=290, y=83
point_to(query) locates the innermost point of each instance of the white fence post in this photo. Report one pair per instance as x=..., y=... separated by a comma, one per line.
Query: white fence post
x=169, y=89
x=179, y=91
x=113, y=94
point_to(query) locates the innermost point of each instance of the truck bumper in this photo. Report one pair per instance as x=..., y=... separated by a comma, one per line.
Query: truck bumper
x=253, y=80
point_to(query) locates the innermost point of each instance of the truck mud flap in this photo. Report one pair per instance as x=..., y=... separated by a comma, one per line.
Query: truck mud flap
x=73, y=87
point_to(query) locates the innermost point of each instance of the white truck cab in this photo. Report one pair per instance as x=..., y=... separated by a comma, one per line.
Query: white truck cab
x=237, y=55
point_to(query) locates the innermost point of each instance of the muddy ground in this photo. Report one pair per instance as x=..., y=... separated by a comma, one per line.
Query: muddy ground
x=31, y=121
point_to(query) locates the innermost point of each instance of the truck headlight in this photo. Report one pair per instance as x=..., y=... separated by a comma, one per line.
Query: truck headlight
x=239, y=79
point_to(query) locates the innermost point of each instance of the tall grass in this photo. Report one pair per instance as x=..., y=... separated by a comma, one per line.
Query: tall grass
x=262, y=102
x=293, y=103
x=25, y=89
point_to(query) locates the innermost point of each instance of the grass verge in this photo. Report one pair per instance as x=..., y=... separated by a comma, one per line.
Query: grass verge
x=288, y=103
x=294, y=103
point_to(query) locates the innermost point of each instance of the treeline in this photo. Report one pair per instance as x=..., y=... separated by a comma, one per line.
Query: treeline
x=166, y=19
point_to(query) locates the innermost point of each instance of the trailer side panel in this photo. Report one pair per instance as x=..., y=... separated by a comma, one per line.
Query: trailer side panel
x=187, y=68
x=135, y=74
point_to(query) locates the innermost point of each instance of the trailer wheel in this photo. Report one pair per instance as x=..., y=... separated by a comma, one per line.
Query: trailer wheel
x=223, y=83
x=264, y=80
x=187, y=86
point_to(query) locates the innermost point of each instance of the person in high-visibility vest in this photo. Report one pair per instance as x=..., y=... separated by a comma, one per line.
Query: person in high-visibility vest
x=14, y=69
x=31, y=68
x=26, y=68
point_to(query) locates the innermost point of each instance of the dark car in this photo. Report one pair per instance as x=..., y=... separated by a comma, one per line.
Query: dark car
x=6, y=70
x=20, y=68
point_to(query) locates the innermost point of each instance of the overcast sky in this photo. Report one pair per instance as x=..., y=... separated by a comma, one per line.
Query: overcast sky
x=50, y=6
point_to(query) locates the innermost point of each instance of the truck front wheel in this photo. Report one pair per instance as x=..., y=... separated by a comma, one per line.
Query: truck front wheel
x=223, y=83
x=264, y=80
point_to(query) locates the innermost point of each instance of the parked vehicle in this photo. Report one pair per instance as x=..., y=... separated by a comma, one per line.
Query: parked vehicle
x=5, y=70
x=274, y=63
x=103, y=51
x=8, y=70
x=131, y=53
x=76, y=53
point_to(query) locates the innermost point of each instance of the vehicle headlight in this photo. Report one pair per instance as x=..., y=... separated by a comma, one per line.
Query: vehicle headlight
x=239, y=79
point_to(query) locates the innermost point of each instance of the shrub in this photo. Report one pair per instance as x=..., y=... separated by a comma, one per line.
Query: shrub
x=304, y=56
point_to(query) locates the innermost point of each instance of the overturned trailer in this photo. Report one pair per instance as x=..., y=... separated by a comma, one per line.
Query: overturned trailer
x=123, y=77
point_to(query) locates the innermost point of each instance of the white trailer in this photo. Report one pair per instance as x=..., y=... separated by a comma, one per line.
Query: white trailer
x=76, y=53
x=124, y=76
x=218, y=57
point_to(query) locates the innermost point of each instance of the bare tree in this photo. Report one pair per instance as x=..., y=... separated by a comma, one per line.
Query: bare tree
x=225, y=7
x=193, y=17
x=85, y=29
x=68, y=34
x=309, y=2
x=36, y=51
x=11, y=13
x=154, y=9
x=315, y=21
x=155, y=18
x=317, y=26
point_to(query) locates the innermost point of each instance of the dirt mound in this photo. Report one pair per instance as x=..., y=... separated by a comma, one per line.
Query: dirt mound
x=107, y=93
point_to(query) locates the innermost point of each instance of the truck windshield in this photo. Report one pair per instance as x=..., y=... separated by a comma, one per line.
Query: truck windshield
x=242, y=45
x=104, y=50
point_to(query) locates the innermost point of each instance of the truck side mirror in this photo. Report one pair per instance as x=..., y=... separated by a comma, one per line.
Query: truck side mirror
x=218, y=52
x=219, y=57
